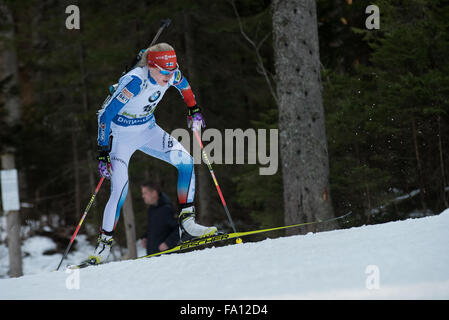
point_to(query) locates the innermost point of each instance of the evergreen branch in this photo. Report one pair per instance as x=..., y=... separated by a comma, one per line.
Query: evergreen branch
x=256, y=47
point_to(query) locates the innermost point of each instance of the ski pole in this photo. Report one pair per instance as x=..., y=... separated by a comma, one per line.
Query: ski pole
x=81, y=222
x=215, y=181
x=164, y=24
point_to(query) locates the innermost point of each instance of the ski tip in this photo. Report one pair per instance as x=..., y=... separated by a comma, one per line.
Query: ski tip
x=238, y=240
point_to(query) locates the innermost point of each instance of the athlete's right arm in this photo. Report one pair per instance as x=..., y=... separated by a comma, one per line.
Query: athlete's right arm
x=128, y=87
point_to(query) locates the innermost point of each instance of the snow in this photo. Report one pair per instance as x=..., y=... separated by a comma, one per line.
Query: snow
x=396, y=260
x=35, y=260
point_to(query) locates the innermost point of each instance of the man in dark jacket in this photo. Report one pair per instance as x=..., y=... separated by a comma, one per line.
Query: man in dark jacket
x=162, y=229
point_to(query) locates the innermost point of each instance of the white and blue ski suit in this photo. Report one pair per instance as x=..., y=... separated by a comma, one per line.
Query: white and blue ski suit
x=128, y=117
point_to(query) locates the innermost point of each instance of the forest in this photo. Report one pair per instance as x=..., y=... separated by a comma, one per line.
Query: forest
x=378, y=106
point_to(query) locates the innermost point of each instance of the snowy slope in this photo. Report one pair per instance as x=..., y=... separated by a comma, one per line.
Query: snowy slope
x=397, y=260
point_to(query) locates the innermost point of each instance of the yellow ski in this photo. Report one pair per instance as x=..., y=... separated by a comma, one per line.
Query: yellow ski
x=225, y=236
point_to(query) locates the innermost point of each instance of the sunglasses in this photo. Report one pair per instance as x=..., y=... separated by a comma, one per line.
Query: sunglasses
x=166, y=72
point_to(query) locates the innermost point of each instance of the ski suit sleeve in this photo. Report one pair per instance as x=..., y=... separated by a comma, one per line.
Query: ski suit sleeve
x=129, y=86
x=183, y=86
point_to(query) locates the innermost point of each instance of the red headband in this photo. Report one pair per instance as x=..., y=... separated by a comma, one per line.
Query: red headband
x=164, y=59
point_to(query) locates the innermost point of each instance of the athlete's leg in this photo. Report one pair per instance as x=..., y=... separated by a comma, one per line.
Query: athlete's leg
x=163, y=146
x=122, y=149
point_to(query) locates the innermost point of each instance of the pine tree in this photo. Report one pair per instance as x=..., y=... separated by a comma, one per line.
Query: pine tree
x=303, y=142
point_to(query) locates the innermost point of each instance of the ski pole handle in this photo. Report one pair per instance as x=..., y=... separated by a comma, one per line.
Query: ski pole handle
x=81, y=222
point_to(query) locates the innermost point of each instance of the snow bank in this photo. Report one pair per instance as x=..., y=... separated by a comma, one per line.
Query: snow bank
x=397, y=260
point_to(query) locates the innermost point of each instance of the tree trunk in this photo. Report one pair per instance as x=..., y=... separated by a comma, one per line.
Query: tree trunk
x=76, y=168
x=91, y=147
x=130, y=226
x=421, y=182
x=13, y=228
x=443, y=171
x=203, y=180
x=11, y=99
x=303, y=145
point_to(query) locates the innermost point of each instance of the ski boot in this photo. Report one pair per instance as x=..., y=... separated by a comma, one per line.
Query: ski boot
x=101, y=252
x=189, y=229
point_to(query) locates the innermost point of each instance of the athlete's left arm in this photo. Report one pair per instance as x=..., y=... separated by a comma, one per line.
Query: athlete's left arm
x=195, y=119
x=183, y=86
